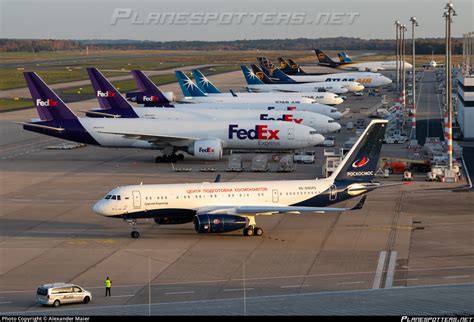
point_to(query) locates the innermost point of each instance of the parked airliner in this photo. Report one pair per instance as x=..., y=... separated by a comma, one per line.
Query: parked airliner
x=220, y=207
x=346, y=63
x=257, y=81
x=113, y=104
x=206, y=86
x=205, y=139
x=367, y=79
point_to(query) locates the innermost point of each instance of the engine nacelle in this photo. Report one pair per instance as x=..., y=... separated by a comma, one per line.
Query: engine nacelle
x=362, y=69
x=373, y=70
x=206, y=224
x=209, y=149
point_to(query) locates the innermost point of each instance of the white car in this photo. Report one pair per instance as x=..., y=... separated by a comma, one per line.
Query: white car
x=329, y=141
x=307, y=157
x=358, y=94
x=62, y=293
x=395, y=139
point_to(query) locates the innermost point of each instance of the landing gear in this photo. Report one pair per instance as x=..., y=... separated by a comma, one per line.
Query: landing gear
x=252, y=229
x=258, y=231
x=173, y=158
x=134, y=233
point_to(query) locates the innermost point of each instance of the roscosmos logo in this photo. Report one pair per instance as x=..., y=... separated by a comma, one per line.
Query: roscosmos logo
x=361, y=162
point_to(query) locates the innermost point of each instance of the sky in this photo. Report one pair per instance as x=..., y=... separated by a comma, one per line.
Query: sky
x=213, y=20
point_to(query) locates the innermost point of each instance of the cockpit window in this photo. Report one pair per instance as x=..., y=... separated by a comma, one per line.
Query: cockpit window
x=331, y=121
x=114, y=197
x=313, y=132
x=333, y=110
x=108, y=197
x=118, y=197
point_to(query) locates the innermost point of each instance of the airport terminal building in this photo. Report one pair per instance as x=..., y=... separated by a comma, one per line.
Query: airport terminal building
x=466, y=105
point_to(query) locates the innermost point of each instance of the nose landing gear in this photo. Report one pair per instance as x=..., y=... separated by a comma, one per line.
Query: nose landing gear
x=134, y=233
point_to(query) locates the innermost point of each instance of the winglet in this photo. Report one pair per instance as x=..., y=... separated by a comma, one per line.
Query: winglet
x=360, y=204
x=218, y=178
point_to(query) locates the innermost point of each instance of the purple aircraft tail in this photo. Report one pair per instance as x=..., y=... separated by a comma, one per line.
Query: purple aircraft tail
x=110, y=100
x=57, y=119
x=149, y=94
x=48, y=104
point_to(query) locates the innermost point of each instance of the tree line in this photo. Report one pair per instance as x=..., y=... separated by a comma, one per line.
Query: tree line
x=423, y=45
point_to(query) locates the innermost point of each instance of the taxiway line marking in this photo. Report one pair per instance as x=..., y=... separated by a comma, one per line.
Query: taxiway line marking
x=130, y=295
x=391, y=269
x=379, y=271
x=5, y=302
x=356, y=282
x=237, y=289
x=177, y=293
x=457, y=276
x=294, y=286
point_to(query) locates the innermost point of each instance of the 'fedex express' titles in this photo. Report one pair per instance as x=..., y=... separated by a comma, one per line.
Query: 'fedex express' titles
x=260, y=132
x=284, y=117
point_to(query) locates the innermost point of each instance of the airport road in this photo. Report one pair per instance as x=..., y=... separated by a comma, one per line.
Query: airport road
x=428, y=115
x=411, y=235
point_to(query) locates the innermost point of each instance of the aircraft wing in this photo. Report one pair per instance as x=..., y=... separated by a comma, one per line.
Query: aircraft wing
x=273, y=209
x=150, y=137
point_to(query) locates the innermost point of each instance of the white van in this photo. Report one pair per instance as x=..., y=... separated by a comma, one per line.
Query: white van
x=61, y=293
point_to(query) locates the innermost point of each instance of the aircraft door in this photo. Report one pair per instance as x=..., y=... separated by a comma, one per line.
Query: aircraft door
x=275, y=195
x=136, y=199
x=332, y=193
x=291, y=134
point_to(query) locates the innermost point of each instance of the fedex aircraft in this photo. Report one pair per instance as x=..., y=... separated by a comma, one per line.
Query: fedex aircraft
x=114, y=105
x=258, y=81
x=205, y=139
x=346, y=63
x=367, y=79
x=206, y=86
x=220, y=207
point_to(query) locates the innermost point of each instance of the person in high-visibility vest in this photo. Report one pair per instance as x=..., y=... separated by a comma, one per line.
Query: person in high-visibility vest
x=108, y=285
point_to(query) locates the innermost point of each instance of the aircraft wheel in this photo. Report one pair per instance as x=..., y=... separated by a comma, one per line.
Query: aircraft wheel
x=248, y=232
x=173, y=158
x=158, y=159
x=258, y=231
x=180, y=157
x=135, y=234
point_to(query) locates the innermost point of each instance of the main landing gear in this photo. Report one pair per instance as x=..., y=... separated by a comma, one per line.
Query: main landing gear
x=134, y=233
x=252, y=229
x=169, y=158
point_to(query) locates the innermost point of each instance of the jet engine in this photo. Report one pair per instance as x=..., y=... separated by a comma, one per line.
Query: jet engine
x=373, y=70
x=210, y=223
x=210, y=149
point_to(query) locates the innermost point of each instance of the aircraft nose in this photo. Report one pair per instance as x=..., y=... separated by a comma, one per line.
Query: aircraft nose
x=99, y=208
x=336, y=115
x=317, y=139
x=338, y=100
x=335, y=127
x=386, y=80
